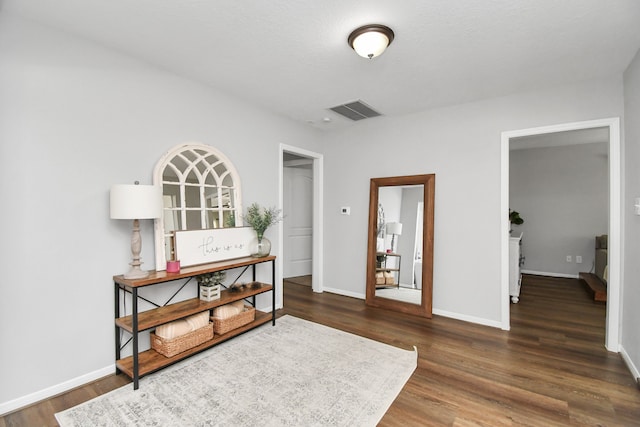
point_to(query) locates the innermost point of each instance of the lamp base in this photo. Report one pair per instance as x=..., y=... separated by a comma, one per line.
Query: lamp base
x=136, y=246
x=136, y=273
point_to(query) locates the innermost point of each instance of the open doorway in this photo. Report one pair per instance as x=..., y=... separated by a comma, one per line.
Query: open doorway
x=612, y=126
x=297, y=211
x=300, y=255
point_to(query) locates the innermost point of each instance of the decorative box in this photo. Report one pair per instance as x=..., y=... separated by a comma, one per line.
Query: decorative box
x=209, y=293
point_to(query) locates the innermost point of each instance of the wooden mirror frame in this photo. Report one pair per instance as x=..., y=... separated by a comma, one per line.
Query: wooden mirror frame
x=425, y=308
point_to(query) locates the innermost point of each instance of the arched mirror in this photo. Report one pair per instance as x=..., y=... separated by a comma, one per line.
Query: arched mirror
x=400, y=246
x=200, y=190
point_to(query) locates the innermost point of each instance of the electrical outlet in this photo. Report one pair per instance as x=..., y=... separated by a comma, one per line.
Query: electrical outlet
x=345, y=210
x=568, y=258
x=578, y=259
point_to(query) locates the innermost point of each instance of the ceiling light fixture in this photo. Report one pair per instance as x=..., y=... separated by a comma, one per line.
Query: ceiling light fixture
x=370, y=40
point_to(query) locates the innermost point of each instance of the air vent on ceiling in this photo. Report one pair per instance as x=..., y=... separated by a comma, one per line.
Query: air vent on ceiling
x=357, y=110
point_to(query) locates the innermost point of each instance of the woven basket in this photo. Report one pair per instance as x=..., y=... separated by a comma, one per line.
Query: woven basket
x=222, y=326
x=172, y=346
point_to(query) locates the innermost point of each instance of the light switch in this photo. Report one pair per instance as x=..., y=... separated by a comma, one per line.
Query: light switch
x=637, y=207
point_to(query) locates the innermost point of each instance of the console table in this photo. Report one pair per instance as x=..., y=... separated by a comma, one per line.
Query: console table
x=394, y=267
x=146, y=362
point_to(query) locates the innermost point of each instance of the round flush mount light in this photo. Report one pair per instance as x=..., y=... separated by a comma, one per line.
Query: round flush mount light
x=370, y=40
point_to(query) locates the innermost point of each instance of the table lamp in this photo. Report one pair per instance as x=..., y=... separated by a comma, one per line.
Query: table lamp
x=395, y=229
x=135, y=202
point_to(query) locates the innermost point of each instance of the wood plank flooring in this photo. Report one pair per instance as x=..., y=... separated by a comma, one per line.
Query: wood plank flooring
x=551, y=369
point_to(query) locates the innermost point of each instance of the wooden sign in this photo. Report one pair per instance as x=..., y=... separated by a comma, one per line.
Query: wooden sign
x=212, y=245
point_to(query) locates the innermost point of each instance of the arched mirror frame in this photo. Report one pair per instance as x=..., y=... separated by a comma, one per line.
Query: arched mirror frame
x=209, y=165
x=425, y=307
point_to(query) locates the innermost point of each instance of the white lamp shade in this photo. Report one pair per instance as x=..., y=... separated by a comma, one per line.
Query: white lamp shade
x=370, y=44
x=394, y=228
x=130, y=201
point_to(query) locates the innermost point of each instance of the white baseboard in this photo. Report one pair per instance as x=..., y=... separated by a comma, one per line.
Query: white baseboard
x=546, y=273
x=12, y=405
x=344, y=293
x=627, y=360
x=470, y=319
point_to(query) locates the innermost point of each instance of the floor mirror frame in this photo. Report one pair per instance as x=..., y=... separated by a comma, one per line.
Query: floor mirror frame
x=425, y=308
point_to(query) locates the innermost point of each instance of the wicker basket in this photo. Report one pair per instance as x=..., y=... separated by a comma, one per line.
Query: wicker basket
x=171, y=347
x=222, y=326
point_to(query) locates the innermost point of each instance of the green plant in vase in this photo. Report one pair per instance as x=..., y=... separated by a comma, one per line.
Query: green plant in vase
x=260, y=219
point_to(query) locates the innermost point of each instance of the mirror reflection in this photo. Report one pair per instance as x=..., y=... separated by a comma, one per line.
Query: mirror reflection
x=399, y=243
x=400, y=249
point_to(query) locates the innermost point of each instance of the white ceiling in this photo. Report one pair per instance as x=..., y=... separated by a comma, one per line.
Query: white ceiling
x=292, y=57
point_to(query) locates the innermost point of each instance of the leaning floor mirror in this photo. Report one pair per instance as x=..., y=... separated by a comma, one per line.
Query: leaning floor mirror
x=400, y=245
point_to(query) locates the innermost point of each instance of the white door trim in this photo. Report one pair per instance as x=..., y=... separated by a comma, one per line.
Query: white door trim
x=318, y=220
x=612, y=340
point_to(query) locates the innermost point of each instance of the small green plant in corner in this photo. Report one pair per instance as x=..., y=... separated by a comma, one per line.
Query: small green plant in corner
x=514, y=217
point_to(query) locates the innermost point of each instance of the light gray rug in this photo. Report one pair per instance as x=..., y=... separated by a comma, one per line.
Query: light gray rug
x=297, y=373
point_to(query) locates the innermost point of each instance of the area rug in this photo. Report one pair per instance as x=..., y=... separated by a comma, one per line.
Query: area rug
x=297, y=373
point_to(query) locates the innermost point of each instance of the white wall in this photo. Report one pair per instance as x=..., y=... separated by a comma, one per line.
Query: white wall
x=562, y=193
x=631, y=273
x=391, y=200
x=461, y=145
x=411, y=197
x=76, y=118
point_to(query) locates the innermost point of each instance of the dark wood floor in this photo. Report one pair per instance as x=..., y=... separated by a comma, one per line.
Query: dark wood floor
x=551, y=369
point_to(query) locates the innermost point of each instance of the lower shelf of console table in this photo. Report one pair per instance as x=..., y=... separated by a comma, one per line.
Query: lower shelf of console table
x=151, y=361
x=141, y=363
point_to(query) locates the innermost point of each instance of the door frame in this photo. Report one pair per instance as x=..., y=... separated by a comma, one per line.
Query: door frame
x=614, y=282
x=317, y=283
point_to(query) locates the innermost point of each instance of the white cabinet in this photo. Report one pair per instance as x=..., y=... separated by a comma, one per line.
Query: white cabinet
x=515, y=277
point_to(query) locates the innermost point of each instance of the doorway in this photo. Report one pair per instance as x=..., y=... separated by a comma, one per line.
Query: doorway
x=615, y=171
x=300, y=253
x=298, y=216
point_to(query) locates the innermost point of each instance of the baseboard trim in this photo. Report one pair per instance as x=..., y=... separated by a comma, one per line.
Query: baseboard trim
x=21, y=402
x=627, y=360
x=470, y=319
x=546, y=273
x=344, y=293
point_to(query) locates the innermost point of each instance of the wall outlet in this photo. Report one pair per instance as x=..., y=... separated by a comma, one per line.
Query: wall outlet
x=568, y=258
x=578, y=259
x=345, y=210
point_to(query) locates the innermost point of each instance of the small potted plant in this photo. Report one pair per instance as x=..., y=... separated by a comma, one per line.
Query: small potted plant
x=260, y=219
x=210, y=285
